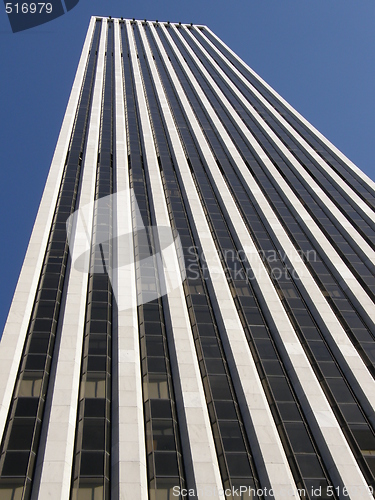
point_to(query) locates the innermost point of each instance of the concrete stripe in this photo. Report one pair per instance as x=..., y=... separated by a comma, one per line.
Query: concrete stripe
x=205, y=470
x=56, y=470
x=271, y=462
x=128, y=435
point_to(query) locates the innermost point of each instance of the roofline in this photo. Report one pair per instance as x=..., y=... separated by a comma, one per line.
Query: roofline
x=150, y=21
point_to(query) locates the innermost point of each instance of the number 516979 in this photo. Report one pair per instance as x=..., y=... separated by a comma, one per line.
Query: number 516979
x=25, y=8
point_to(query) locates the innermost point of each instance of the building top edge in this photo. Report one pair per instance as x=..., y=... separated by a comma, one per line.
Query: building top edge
x=155, y=21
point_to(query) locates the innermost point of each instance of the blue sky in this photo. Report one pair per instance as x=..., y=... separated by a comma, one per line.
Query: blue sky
x=318, y=54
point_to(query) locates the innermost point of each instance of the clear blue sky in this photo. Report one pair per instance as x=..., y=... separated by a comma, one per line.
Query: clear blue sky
x=318, y=54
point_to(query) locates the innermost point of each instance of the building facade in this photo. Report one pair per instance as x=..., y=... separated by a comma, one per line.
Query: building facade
x=195, y=314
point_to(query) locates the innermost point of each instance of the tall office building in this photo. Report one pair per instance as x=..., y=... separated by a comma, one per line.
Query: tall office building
x=195, y=313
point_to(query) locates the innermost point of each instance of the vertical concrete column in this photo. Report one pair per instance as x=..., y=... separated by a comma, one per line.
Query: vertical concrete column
x=56, y=470
x=271, y=462
x=201, y=466
x=129, y=473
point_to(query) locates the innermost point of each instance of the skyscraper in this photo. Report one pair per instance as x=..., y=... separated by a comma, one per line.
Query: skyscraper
x=195, y=313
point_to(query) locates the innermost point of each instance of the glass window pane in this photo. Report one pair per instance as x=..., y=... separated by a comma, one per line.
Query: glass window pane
x=21, y=434
x=298, y=437
x=238, y=464
x=163, y=435
x=231, y=436
x=8, y=492
x=26, y=407
x=93, y=434
x=219, y=387
x=92, y=463
x=15, y=463
x=364, y=438
x=94, y=387
x=160, y=408
x=309, y=465
x=157, y=386
x=95, y=407
x=30, y=385
x=280, y=389
x=165, y=463
x=87, y=492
